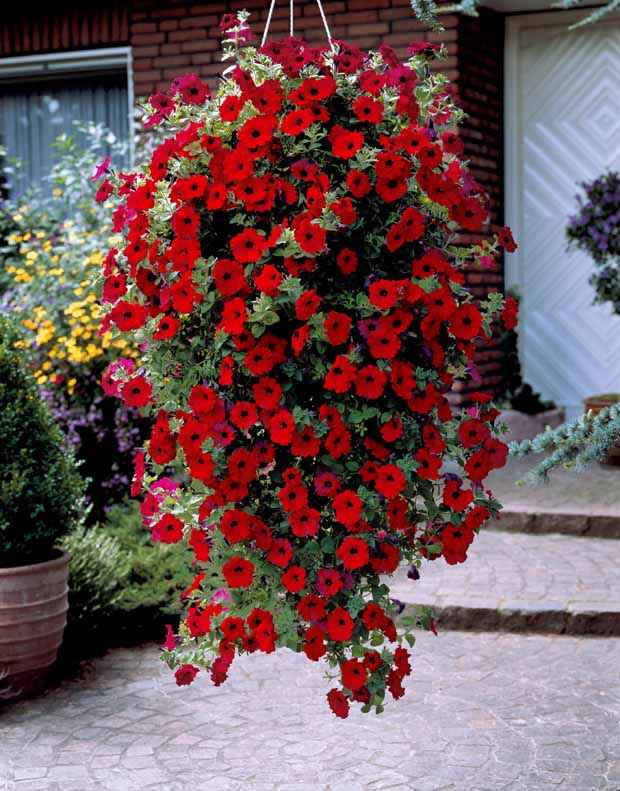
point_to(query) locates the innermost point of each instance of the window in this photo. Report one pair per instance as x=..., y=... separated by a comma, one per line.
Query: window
x=41, y=96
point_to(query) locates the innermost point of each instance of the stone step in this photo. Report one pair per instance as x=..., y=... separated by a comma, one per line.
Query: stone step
x=518, y=582
x=530, y=519
x=577, y=504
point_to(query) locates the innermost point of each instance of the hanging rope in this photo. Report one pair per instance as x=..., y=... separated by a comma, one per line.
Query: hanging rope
x=325, y=25
x=291, y=22
x=269, y=15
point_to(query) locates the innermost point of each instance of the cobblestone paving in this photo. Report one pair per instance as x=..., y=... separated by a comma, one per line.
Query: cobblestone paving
x=483, y=712
x=516, y=572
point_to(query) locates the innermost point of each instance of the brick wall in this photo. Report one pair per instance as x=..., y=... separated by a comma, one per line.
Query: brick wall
x=479, y=88
x=29, y=28
x=169, y=37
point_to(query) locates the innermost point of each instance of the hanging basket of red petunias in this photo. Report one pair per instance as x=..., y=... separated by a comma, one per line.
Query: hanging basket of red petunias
x=292, y=274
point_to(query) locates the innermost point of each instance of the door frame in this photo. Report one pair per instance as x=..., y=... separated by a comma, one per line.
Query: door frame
x=513, y=116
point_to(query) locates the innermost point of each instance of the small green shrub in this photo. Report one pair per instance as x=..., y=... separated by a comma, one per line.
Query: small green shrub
x=122, y=587
x=41, y=492
x=98, y=572
x=158, y=573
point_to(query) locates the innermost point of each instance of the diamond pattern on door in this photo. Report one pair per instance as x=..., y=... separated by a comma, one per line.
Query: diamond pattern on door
x=568, y=131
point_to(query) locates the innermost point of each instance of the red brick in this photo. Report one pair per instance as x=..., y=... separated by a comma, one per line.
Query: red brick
x=168, y=24
x=208, y=8
x=167, y=13
x=144, y=64
x=203, y=57
x=376, y=29
x=148, y=38
x=145, y=52
x=186, y=35
x=171, y=60
x=170, y=49
x=362, y=5
x=199, y=21
x=200, y=46
x=149, y=76
x=143, y=27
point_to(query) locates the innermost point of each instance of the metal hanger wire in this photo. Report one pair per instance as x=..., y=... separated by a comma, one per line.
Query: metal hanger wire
x=291, y=22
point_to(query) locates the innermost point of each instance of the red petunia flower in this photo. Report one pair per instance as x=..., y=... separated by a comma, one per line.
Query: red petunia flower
x=268, y=280
x=370, y=382
x=248, y=246
x=347, y=507
x=340, y=376
x=339, y=625
x=280, y=553
x=337, y=327
x=168, y=530
x=307, y=304
x=310, y=237
x=347, y=261
x=185, y=674
x=314, y=645
x=353, y=674
x=338, y=703
x=137, y=392
x=368, y=110
x=353, y=553
x=390, y=481
x=455, y=498
x=228, y=277
x=243, y=415
x=294, y=579
x=345, y=143
x=238, y=572
x=282, y=427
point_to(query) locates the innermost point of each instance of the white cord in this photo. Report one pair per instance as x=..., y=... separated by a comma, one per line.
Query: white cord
x=269, y=15
x=325, y=25
x=291, y=22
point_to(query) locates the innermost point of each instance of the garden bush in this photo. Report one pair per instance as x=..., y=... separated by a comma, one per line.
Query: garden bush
x=53, y=242
x=41, y=492
x=122, y=585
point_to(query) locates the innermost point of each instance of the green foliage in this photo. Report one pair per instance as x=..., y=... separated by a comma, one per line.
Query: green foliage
x=158, y=573
x=121, y=583
x=427, y=10
x=41, y=492
x=98, y=572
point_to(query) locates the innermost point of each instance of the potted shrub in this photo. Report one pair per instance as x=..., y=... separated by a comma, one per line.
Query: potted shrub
x=40, y=500
x=595, y=230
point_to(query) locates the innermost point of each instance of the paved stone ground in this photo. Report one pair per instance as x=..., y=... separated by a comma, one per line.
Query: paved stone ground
x=511, y=580
x=585, y=505
x=483, y=712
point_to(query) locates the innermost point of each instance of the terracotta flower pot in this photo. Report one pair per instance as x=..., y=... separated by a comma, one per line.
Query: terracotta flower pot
x=33, y=615
x=595, y=404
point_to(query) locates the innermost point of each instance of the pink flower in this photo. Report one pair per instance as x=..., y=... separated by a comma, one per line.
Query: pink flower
x=101, y=169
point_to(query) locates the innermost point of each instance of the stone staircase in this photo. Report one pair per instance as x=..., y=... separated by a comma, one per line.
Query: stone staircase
x=550, y=564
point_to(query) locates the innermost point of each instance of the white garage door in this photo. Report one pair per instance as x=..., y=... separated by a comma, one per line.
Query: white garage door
x=562, y=127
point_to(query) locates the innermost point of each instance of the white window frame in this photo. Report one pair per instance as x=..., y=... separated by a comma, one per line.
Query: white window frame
x=70, y=62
